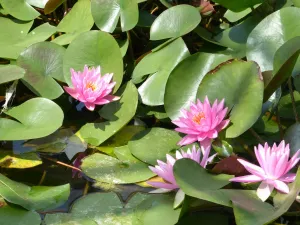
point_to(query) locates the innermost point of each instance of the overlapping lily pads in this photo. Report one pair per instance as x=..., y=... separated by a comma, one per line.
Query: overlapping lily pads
x=159, y=64
x=19, y=9
x=10, y=73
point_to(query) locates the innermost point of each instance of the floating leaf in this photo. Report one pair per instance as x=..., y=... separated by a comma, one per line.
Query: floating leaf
x=33, y=198
x=19, y=9
x=153, y=144
x=106, y=14
x=21, y=161
x=241, y=85
x=196, y=66
x=38, y=117
x=292, y=137
x=97, y=133
x=37, y=3
x=43, y=62
x=17, y=216
x=93, y=47
x=172, y=23
x=159, y=64
x=271, y=33
x=16, y=36
x=77, y=21
x=51, y=5
x=124, y=170
x=10, y=73
x=104, y=207
x=285, y=60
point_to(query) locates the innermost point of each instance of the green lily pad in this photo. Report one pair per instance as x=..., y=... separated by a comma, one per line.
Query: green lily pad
x=241, y=85
x=159, y=64
x=291, y=136
x=91, y=48
x=52, y=5
x=124, y=170
x=172, y=23
x=21, y=161
x=33, y=198
x=118, y=117
x=43, y=61
x=103, y=208
x=38, y=117
x=10, y=72
x=271, y=33
x=19, y=9
x=17, y=216
x=153, y=144
x=37, y=3
x=16, y=36
x=77, y=21
x=196, y=66
x=106, y=14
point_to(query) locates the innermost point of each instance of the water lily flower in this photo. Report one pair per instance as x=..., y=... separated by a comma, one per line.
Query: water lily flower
x=90, y=88
x=202, y=122
x=206, y=8
x=273, y=171
x=165, y=170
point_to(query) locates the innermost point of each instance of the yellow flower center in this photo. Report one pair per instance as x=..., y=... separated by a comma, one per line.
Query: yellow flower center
x=198, y=117
x=91, y=86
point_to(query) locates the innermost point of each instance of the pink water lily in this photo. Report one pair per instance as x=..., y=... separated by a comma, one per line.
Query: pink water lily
x=165, y=170
x=90, y=88
x=206, y=7
x=202, y=122
x=273, y=171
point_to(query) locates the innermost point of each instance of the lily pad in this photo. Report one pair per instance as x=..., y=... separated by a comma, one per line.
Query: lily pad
x=172, y=23
x=43, y=61
x=159, y=64
x=124, y=170
x=153, y=144
x=77, y=21
x=237, y=5
x=241, y=85
x=10, y=72
x=38, y=117
x=16, y=36
x=19, y=9
x=33, y=198
x=196, y=66
x=292, y=137
x=271, y=33
x=118, y=117
x=106, y=14
x=91, y=48
x=17, y=216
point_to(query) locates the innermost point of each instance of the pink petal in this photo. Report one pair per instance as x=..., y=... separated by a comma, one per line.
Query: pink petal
x=205, y=151
x=251, y=168
x=89, y=106
x=112, y=98
x=281, y=186
x=246, y=179
x=222, y=125
x=264, y=190
x=107, y=77
x=289, y=177
x=188, y=139
x=72, y=92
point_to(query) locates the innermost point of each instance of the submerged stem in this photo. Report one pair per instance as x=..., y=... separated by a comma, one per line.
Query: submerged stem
x=61, y=163
x=293, y=100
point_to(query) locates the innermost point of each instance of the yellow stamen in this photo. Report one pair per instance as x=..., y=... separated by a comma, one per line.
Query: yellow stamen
x=91, y=86
x=198, y=117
